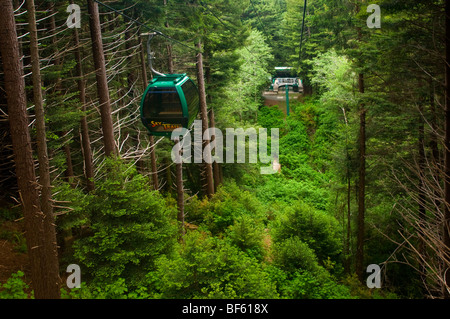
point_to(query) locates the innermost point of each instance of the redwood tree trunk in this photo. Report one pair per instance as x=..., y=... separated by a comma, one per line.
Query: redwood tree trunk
x=180, y=190
x=204, y=115
x=216, y=169
x=446, y=226
x=44, y=167
x=152, y=139
x=39, y=228
x=362, y=187
x=102, y=81
x=422, y=196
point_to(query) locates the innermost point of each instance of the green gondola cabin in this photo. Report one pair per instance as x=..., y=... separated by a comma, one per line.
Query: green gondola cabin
x=169, y=102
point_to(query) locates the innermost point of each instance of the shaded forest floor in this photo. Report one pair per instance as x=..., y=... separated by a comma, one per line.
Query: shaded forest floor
x=13, y=254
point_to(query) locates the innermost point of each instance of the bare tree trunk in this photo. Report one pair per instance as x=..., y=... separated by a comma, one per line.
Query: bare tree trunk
x=44, y=167
x=85, y=139
x=216, y=169
x=362, y=186
x=434, y=138
x=446, y=224
x=102, y=81
x=170, y=59
x=347, y=263
x=180, y=190
x=57, y=60
x=69, y=169
x=422, y=195
x=152, y=139
x=40, y=230
x=204, y=115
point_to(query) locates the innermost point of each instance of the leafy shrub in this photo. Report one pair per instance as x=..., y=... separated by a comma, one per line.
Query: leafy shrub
x=296, y=140
x=14, y=288
x=309, y=285
x=73, y=211
x=220, y=212
x=207, y=267
x=304, y=284
x=271, y=117
x=290, y=191
x=292, y=254
x=247, y=234
x=114, y=290
x=313, y=227
x=130, y=225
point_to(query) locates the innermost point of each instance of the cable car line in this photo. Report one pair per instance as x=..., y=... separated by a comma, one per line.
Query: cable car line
x=303, y=26
x=146, y=26
x=170, y=101
x=259, y=19
x=215, y=16
x=226, y=26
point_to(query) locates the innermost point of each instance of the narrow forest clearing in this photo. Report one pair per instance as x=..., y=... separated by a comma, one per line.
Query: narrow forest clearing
x=279, y=99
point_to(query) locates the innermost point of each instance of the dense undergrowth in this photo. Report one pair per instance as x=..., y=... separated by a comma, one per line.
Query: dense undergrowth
x=259, y=236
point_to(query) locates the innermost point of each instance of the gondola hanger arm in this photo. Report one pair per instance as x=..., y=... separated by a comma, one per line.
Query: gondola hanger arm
x=151, y=55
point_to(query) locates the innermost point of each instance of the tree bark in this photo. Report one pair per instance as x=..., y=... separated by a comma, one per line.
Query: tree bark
x=69, y=169
x=180, y=190
x=216, y=169
x=102, y=81
x=44, y=167
x=170, y=59
x=152, y=139
x=204, y=116
x=362, y=186
x=446, y=222
x=40, y=230
x=434, y=138
x=422, y=196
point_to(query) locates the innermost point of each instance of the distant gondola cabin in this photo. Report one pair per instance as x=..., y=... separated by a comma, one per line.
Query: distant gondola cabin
x=169, y=102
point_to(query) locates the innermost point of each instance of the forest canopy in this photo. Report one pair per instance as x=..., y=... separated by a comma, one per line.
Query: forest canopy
x=361, y=179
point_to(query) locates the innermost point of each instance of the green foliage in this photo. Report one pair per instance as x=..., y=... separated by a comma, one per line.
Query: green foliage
x=303, y=284
x=15, y=237
x=227, y=205
x=9, y=213
x=117, y=289
x=130, y=225
x=271, y=117
x=247, y=234
x=333, y=75
x=292, y=254
x=362, y=292
x=74, y=208
x=258, y=236
x=315, y=228
x=239, y=102
x=207, y=267
x=15, y=287
x=279, y=189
